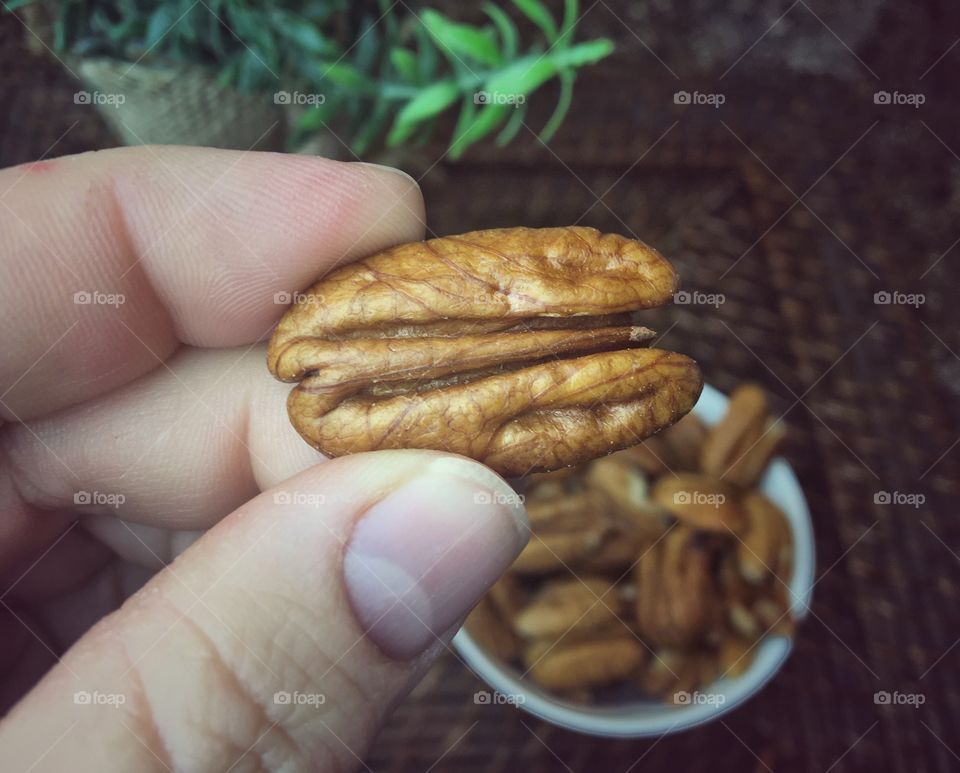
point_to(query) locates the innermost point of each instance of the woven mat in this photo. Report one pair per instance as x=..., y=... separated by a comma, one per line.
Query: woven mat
x=870, y=392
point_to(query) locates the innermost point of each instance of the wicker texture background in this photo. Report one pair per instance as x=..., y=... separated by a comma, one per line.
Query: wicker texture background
x=870, y=392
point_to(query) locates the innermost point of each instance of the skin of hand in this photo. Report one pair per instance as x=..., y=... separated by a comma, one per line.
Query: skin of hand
x=184, y=583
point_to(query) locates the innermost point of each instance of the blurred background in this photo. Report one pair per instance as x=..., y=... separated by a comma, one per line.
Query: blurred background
x=798, y=161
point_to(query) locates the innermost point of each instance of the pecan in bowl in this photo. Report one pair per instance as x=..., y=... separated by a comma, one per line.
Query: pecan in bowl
x=513, y=346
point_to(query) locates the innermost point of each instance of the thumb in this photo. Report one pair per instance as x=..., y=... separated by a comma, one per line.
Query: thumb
x=283, y=636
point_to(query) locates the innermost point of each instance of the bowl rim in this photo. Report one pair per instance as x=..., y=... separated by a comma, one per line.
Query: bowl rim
x=650, y=718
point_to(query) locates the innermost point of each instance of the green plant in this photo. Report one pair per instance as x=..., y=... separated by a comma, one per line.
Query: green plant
x=386, y=71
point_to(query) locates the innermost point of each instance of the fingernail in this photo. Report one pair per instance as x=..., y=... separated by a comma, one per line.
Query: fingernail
x=390, y=169
x=419, y=559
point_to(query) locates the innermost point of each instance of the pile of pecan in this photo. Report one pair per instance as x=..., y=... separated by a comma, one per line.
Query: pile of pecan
x=658, y=568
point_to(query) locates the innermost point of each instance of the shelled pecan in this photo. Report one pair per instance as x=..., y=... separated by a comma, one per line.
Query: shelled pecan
x=562, y=606
x=677, y=596
x=513, y=346
x=739, y=448
x=588, y=663
x=701, y=502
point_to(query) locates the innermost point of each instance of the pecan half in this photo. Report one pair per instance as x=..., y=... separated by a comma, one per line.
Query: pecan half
x=512, y=346
x=677, y=596
x=684, y=441
x=584, y=663
x=567, y=512
x=508, y=596
x=563, y=605
x=553, y=551
x=766, y=546
x=739, y=448
x=700, y=501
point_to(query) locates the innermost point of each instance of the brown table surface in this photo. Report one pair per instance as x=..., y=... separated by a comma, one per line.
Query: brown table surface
x=798, y=200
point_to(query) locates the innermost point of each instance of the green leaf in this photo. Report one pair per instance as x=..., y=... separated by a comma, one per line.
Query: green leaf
x=583, y=53
x=345, y=76
x=389, y=20
x=427, y=54
x=189, y=24
x=217, y=38
x=461, y=40
x=304, y=34
x=563, y=106
x=522, y=77
x=570, y=11
x=468, y=111
x=428, y=103
x=322, y=11
x=228, y=75
x=161, y=22
x=124, y=30
x=514, y=122
x=101, y=22
x=405, y=63
x=60, y=28
x=366, y=49
x=251, y=73
x=488, y=119
x=315, y=118
x=509, y=36
x=374, y=126
x=538, y=13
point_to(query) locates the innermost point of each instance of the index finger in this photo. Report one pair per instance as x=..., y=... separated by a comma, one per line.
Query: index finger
x=112, y=259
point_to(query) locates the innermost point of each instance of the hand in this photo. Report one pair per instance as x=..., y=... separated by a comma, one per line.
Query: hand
x=140, y=425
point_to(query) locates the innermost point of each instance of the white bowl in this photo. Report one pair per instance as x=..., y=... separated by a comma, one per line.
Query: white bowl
x=644, y=718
